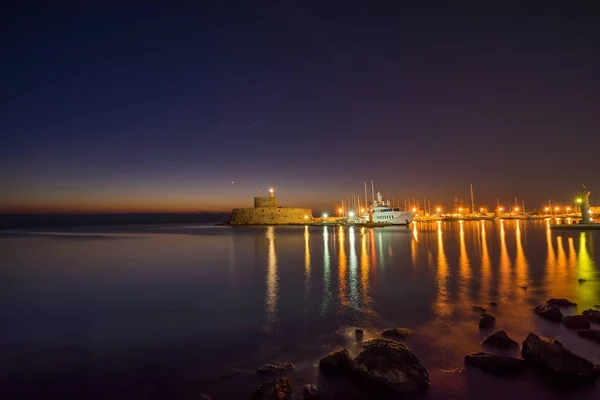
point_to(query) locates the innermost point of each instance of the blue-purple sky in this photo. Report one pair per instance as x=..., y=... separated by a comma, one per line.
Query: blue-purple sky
x=151, y=106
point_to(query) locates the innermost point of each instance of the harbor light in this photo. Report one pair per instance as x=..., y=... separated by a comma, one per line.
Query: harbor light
x=460, y=210
x=325, y=215
x=362, y=210
x=438, y=210
x=414, y=210
x=351, y=214
x=556, y=209
x=568, y=209
x=306, y=217
x=579, y=200
x=340, y=210
x=516, y=208
x=546, y=209
x=500, y=209
x=481, y=209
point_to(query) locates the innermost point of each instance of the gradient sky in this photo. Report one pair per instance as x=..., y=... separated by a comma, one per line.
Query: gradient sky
x=157, y=107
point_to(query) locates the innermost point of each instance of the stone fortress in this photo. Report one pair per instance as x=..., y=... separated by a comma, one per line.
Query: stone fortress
x=266, y=212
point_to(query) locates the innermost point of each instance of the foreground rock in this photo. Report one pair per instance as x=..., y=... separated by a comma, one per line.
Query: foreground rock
x=390, y=364
x=396, y=333
x=493, y=303
x=205, y=397
x=576, y=321
x=566, y=367
x=478, y=308
x=281, y=389
x=311, y=392
x=486, y=321
x=561, y=302
x=274, y=368
x=549, y=311
x=592, y=315
x=591, y=334
x=336, y=362
x=500, y=339
x=496, y=364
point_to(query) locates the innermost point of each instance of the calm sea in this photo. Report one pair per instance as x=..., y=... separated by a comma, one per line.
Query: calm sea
x=170, y=312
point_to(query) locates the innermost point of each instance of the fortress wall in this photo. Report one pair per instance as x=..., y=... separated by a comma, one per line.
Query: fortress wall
x=270, y=215
x=265, y=202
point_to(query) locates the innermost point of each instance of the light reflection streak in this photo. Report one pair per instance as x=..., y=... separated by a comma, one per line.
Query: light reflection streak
x=364, y=272
x=586, y=292
x=521, y=265
x=442, y=307
x=561, y=262
x=486, y=265
x=272, y=280
x=504, y=263
x=354, y=301
x=550, y=258
x=464, y=268
x=572, y=254
x=306, y=261
x=326, y=273
x=342, y=266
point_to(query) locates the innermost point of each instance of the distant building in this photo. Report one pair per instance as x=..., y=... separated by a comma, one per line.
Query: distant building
x=266, y=212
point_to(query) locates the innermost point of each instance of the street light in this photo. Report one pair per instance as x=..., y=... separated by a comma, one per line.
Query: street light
x=325, y=215
x=414, y=210
x=340, y=211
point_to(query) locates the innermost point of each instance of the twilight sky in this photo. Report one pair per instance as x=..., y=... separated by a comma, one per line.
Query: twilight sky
x=156, y=107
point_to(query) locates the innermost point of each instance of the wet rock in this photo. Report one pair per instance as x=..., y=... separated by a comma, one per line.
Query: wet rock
x=549, y=311
x=496, y=364
x=500, y=339
x=358, y=334
x=336, y=362
x=479, y=309
x=274, y=368
x=591, y=334
x=596, y=305
x=522, y=287
x=493, y=303
x=561, y=302
x=205, y=397
x=486, y=321
x=390, y=364
x=457, y=370
x=576, y=321
x=592, y=315
x=565, y=367
x=396, y=333
x=311, y=392
x=281, y=389
x=581, y=280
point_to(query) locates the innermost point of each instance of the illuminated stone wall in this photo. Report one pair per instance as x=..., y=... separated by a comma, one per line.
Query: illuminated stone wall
x=270, y=216
x=265, y=202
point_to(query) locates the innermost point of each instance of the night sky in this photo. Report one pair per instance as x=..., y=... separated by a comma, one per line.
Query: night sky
x=157, y=107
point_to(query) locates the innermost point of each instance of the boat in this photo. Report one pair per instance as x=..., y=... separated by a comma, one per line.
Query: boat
x=384, y=213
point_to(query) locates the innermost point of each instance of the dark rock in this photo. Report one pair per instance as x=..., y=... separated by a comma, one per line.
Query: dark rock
x=496, y=364
x=549, y=311
x=592, y=315
x=457, y=370
x=479, y=309
x=596, y=305
x=281, y=389
x=493, y=303
x=396, y=333
x=205, y=397
x=486, y=321
x=576, y=321
x=561, y=302
x=358, y=334
x=311, y=392
x=566, y=367
x=522, y=287
x=581, y=280
x=390, y=364
x=592, y=334
x=500, y=339
x=335, y=362
x=274, y=368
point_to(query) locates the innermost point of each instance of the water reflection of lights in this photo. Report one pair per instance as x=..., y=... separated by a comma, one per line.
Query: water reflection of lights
x=442, y=306
x=504, y=262
x=272, y=280
x=486, y=264
x=364, y=272
x=306, y=261
x=326, y=273
x=464, y=268
x=342, y=267
x=353, y=266
x=550, y=258
x=521, y=265
x=587, y=294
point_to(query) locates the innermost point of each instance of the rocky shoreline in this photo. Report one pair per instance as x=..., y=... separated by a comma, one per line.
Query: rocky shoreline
x=387, y=366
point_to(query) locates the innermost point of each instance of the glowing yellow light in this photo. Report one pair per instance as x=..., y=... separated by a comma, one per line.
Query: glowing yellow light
x=438, y=209
x=362, y=210
x=306, y=217
x=414, y=210
x=568, y=208
x=325, y=215
x=556, y=209
x=340, y=210
x=516, y=208
x=546, y=209
x=579, y=200
x=460, y=209
x=481, y=209
x=351, y=214
x=271, y=190
x=501, y=209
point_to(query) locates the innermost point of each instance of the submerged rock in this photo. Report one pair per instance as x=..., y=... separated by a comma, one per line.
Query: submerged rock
x=274, y=368
x=592, y=315
x=580, y=280
x=358, y=334
x=281, y=389
x=493, y=303
x=478, y=308
x=390, y=364
x=496, y=364
x=486, y=321
x=500, y=339
x=591, y=334
x=549, y=311
x=311, y=391
x=576, y=321
x=565, y=366
x=205, y=397
x=396, y=333
x=561, y=302
x=336, y=362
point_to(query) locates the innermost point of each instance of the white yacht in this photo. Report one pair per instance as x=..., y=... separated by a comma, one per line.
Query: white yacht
x=384, y=213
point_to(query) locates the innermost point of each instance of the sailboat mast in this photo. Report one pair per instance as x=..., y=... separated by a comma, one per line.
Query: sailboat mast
x=472, y=200
x=366, y=197
x=373, y=192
